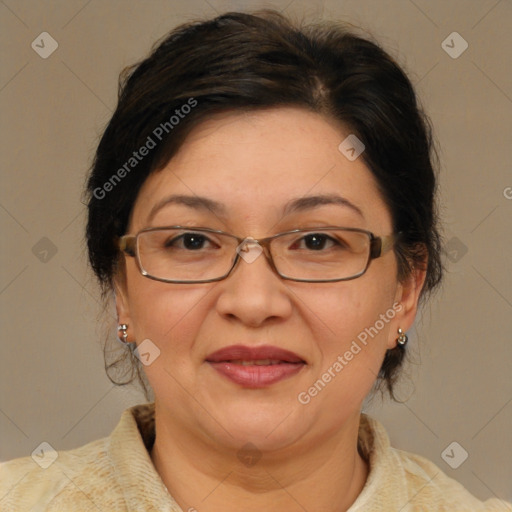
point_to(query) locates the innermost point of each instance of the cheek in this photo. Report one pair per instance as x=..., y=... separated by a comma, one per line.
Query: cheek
x=167, y=314
x=343, y=313
x=351, y=324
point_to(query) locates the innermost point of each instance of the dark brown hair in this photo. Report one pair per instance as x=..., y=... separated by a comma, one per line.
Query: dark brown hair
x=262, y=60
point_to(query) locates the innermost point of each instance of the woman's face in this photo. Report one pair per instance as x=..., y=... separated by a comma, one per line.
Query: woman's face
x=254, y=164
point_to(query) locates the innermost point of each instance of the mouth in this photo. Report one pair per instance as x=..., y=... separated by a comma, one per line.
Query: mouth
x=255, y=367
x=257, y=362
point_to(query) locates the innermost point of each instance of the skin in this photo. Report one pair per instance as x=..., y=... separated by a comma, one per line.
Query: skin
x=254, y=163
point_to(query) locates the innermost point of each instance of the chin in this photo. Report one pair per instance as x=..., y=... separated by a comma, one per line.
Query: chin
x=268, y=426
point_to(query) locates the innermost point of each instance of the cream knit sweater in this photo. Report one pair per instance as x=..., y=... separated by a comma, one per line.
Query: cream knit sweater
x=116, y=474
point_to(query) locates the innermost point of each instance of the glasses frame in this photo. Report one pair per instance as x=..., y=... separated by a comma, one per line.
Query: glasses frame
x=379, y=245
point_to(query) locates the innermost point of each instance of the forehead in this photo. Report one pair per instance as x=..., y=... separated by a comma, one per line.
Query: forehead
x=255, y=163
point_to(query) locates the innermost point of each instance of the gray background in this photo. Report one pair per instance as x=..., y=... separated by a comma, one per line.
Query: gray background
x=53, y=385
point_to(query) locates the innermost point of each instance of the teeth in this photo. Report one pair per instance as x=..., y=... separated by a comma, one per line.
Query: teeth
x=257, y=362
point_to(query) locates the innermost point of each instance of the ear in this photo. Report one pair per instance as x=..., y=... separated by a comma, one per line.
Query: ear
x=406, y=298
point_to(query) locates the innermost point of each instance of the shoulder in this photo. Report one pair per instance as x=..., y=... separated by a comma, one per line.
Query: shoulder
x=410, y=482
x=428, y=484
x=53, y=480
x=114, y=473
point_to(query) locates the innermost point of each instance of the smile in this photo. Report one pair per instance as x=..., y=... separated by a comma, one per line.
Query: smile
x=255, y=367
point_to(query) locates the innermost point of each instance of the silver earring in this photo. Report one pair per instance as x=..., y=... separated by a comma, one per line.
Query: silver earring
x=122, y=328
x=402, y=338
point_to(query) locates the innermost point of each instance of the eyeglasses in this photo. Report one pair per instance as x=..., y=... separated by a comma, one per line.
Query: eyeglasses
x=180, y=254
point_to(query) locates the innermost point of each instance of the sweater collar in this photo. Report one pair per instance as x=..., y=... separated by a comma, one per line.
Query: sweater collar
x=131, y=442
x=129, y=449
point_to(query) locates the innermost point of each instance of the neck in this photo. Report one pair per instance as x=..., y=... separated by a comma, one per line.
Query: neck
x=326, y=475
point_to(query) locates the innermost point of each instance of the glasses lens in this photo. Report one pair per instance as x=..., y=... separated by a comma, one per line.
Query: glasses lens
x=321, y=255
x=191, y=255
x=185, y=255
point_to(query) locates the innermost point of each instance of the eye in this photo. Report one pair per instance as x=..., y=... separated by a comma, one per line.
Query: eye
x=188, y=241
x=316, y=242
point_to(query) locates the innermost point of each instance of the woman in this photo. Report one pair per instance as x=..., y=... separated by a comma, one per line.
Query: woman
x=262, y=207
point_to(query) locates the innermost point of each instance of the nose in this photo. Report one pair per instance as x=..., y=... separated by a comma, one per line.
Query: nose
x=253, y=293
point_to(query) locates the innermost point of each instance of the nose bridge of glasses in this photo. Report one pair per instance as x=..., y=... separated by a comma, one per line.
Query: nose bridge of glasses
x=250, y=249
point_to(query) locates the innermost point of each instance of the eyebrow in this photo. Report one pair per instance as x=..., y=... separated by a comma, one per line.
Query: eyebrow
x=195, y=202
x=310, y=202
x=296, y=205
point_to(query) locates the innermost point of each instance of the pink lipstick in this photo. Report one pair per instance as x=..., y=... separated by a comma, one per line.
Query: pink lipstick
x=255, y=367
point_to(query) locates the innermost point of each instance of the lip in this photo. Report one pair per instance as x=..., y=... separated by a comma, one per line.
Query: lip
x=243, y=352
x=227, y=361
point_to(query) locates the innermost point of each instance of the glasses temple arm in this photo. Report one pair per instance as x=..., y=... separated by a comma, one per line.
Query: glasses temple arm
x=382, y=245
x=126, y=244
